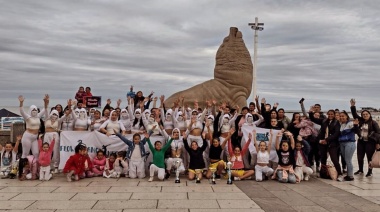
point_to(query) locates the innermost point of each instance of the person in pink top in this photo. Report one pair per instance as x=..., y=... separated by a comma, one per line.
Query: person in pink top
x=98, y=163
x=44, y=158
x=236, y=158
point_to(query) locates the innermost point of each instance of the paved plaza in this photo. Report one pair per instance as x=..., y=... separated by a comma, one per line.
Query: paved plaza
x=126, y=194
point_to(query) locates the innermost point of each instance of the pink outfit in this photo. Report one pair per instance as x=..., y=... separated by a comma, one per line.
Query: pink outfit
x=98, y=166
x=33, y=167
x=237, y=162
x=306, y=128
x=44, y=158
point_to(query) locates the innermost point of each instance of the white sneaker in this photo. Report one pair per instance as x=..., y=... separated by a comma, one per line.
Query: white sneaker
x=236, y=178
x=340, y=178
x=150, y=179
x=306, y=178
x=56, y=171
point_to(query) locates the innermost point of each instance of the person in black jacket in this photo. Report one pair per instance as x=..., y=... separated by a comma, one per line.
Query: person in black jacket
x=366, y=144
x=328, y=139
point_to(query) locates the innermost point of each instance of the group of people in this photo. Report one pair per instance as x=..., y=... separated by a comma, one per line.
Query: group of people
x=218, y=140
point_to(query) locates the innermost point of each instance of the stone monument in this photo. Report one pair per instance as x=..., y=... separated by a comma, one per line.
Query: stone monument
x=232, y=76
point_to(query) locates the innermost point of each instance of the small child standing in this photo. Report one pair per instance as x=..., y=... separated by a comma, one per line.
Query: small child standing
x=135, y=154
x=302, y=150
x=44, y=158
x=109, y=169
x=263, y=153
x=99, y=163
x=75, y=164
x=8, y=157
x=121, y=167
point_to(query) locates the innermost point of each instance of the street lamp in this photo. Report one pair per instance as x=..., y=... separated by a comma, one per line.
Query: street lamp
x=257, y=27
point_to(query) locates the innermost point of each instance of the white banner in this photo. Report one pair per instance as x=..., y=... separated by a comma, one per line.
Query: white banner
x=262, y=134
x=94, y=141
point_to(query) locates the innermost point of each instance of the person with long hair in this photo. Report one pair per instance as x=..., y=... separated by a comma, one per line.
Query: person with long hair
x=366, y=145
x=328, y=139
x=347, y=142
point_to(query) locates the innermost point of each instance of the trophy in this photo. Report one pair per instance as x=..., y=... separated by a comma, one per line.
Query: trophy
x=177, y=164
x=197, y=172
x=213, y=170
x=229, y=164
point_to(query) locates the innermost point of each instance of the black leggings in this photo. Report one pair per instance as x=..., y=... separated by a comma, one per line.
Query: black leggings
x=333, y=151
x=314, y=151
x=365, y=148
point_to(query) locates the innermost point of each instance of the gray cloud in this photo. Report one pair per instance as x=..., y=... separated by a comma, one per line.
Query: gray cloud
x=322, y=50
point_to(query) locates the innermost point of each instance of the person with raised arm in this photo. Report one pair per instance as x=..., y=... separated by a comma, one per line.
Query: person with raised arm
x=367, y=145
x=236, y=155
x=263, y=152
x=33, y=124
x=285, y=151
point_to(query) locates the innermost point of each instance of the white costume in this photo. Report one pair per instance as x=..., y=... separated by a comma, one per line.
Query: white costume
x=52, y=121
x=137, y=125
x=126, y=119
x=81, y=122
x=150, y=123
x=110, y=125
x=29, y=140
x=252, y=150
x=176, y=145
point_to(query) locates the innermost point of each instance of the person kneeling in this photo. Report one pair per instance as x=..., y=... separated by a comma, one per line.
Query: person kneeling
x=236, y=156
x=158, y=165
x=285, y=151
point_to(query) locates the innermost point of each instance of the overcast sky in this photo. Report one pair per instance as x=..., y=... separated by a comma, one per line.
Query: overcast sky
x=324, y=51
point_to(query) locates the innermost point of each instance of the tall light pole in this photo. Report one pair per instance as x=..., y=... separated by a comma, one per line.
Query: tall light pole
x=257, y=27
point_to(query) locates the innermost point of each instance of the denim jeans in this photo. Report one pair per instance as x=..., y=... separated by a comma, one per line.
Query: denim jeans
x=291, y=177
x=348, y=149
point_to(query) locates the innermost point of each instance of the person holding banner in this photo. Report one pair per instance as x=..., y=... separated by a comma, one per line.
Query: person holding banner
x=249, y=121
x=263, y=152
x=236, y=155
x=135, y=154
x=112, y=125
x=96, y=121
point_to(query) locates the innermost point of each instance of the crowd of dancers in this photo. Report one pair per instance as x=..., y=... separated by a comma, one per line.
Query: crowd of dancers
x=199, y=142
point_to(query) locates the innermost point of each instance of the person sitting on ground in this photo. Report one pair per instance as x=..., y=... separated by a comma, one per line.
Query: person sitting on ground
x=158, y=164
x=236, y=155
x=285, y=151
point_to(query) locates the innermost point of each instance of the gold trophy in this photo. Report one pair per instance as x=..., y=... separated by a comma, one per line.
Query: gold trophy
x=177, y=164
x=213, y=170
x=229, y=165
x=197, y=172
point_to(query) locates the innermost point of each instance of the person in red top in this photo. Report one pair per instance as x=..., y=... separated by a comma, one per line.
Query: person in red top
x=80, y=93
x=75, y=164
x=236, y=158
x=86, y=94
x=44, y=158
